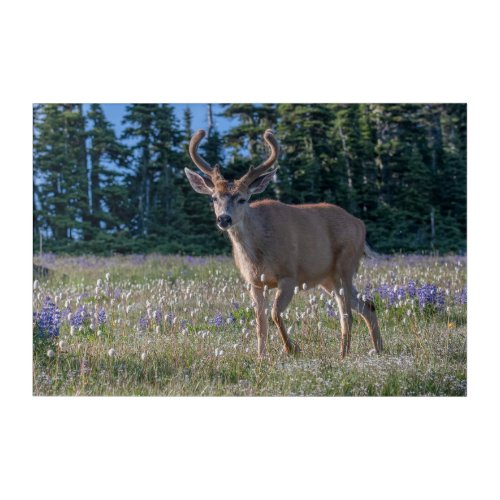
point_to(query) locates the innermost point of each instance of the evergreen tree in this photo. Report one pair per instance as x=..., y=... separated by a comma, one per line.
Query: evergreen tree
x=60, y=171
x=108, y=194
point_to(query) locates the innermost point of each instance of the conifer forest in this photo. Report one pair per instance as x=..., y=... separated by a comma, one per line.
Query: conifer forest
x=401, y=168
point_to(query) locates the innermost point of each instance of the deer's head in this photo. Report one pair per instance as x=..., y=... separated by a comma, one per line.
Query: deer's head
x=230, y=198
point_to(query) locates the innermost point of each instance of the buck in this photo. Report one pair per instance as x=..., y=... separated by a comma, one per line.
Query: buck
x=282, y=246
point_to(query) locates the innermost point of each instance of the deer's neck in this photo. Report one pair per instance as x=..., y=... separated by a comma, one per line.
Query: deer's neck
x=246, y=238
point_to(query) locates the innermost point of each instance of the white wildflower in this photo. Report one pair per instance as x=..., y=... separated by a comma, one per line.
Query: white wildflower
x=304, y=286
x=50, y=353
x=111, y=352
x=296, y=290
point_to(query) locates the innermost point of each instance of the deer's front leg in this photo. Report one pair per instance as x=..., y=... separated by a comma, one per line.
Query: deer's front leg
x=283, y=297
x=260, y=307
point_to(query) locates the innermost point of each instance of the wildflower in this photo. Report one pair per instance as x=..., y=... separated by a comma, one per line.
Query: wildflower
x=99, y=283
x=99, y=333
x=50, y=353
x=101, y=316
x=62, y=345
x=107, y=276
x=262, y=278
x=218, y=320
x=35, y=284
x=143, y=322
x=341, y=292
x=143, y=356
x=111, y=352
x=48, y=320
x=304, y=286
x=81, y=315
x=296, y=290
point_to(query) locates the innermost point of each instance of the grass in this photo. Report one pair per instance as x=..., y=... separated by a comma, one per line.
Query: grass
x=182, y=326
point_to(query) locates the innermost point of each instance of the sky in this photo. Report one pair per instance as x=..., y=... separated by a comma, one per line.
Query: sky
x=115, y=112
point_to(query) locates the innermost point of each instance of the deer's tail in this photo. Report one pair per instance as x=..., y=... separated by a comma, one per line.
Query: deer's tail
x=369, y=253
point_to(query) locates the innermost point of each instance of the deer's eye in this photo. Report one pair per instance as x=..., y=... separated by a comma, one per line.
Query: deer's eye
x=241, y=201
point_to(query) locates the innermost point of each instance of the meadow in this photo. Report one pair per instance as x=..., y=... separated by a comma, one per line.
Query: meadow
x=184, y=326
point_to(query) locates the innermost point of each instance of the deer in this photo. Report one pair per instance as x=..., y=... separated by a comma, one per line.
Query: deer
x=287, y=247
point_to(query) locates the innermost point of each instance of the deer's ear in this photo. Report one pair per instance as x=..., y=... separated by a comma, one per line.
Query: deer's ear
x=259, y=184
x=198, y=183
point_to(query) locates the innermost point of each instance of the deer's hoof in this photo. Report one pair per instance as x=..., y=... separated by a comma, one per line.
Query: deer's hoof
x=293, y=348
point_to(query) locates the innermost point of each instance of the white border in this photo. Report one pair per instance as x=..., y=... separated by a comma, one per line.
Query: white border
x=221, y=51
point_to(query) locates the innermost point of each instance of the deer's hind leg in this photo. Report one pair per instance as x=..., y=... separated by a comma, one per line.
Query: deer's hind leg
x=342, y=291
x=366, y=309
x=283, y=297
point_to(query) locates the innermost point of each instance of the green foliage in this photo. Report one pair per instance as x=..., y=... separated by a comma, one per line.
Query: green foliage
x=401, y=168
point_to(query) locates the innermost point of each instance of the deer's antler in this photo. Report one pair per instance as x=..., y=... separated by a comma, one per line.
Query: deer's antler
x=255, y=172
x=202, y=164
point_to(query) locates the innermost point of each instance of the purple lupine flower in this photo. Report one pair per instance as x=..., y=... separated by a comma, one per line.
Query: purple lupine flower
x=117, y=293
x=411, y=288
x=80, y=317
x=440, y=299
x=101, y=316
x=330, y=312
x=218, y=320
x=157, y=316
x=368, y=292
x=143, y=322
x=48, y=320
x=461, y=296
x=427, y=295
x=170, y=318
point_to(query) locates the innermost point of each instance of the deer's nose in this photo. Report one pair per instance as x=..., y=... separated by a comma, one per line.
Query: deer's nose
x=224, y=220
